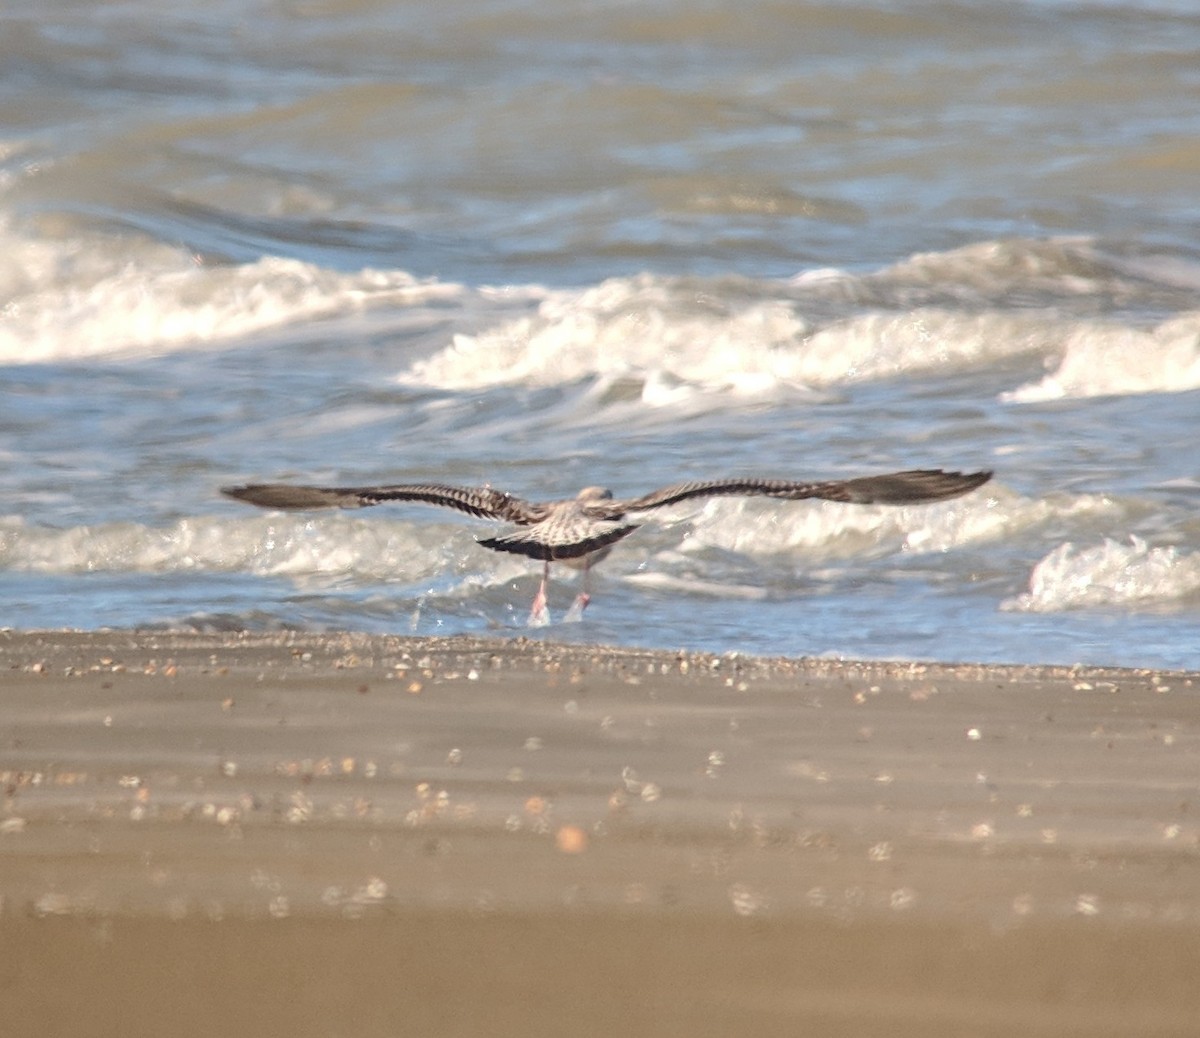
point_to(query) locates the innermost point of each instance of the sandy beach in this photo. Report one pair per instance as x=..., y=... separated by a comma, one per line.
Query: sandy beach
x=353, y=835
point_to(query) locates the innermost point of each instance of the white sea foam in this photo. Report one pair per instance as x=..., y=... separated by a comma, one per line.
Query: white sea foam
x=76, y=301
x=931, y=313
x=829, y=529
x=664, y=331
x=673, y=338
x=291, y=546
x=623, y=326
x=989, y=272
x=1108, y=574
x=928, y=339
x=1106, y=359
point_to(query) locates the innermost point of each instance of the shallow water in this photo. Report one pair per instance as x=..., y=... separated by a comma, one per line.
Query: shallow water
x=544, y=246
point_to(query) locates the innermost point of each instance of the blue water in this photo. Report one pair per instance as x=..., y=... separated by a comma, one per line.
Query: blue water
x=543, y=246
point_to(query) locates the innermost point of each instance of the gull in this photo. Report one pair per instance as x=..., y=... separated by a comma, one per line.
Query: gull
x=580, y=531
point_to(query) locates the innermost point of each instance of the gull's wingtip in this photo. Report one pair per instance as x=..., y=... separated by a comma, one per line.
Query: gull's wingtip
x=956, y=483
x=244, y=492
x=287, y=497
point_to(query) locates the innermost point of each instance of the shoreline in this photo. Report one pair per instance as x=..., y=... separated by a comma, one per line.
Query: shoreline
x=21, y=643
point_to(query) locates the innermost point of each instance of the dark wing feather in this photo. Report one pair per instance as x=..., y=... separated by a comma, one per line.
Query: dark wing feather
x=896, y=488
x=483, y=502
x=539, y=542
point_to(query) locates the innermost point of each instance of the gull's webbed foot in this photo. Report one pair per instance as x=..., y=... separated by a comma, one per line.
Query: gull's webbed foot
x=575, y=613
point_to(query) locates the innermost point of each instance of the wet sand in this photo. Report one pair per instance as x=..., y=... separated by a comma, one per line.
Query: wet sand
x=348, y=835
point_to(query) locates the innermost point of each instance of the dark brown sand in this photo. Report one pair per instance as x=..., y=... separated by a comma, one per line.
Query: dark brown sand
x=344, y=835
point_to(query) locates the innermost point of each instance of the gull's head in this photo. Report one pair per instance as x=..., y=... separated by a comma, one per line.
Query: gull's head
x=594, y=494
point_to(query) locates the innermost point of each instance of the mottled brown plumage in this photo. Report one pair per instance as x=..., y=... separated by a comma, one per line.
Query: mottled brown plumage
x=581, y=530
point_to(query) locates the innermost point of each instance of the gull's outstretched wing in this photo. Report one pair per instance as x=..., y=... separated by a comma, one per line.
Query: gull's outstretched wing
x=895, y=488
x=483, y=502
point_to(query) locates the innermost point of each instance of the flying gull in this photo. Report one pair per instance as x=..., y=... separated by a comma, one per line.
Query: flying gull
x=580, y=531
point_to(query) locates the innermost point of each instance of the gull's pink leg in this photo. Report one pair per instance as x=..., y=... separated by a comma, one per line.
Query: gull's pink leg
x=575, y=613
x=539, y=615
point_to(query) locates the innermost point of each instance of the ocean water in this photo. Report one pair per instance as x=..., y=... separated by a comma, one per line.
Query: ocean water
x=544, y=245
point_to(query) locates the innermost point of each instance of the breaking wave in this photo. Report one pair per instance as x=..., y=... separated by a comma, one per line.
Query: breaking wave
x=81, y=300
x=657, y=330
x=346, y=546
x=1108, y=574
x=332, y=546
x=661, y=339
x=1110, y=360
x=932, y=313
